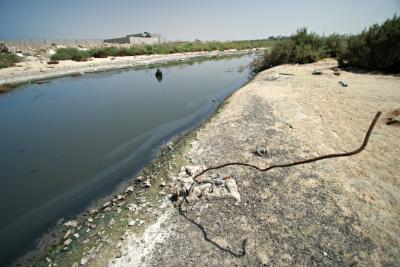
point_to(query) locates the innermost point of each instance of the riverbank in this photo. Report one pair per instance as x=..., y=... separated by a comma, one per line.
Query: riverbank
x=334, y=212
x=39, y=70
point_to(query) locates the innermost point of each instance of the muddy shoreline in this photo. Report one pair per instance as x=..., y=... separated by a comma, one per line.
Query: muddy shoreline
x=39, y=71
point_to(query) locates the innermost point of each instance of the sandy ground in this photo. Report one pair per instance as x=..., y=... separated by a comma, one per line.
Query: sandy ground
x=37, y=70
x=340, y=212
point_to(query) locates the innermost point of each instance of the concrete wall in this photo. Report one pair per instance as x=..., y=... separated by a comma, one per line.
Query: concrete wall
x=141, y=40
x=122, y=40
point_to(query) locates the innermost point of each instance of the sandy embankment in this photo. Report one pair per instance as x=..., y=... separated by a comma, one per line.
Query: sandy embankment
x=338, y=212
x=37, y=70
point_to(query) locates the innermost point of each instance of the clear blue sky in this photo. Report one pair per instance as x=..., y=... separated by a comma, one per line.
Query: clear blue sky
x=186, y=19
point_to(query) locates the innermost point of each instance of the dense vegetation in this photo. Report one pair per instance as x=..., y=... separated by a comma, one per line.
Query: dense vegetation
x=165, y=48
x=302, y=47
x=8, y=60
x=377, y=48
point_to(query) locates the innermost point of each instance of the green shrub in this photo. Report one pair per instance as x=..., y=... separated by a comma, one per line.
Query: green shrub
x=8, y=60
x=302, y=47
x=70, y=54
x=98, y=53
x=377, y=48
x=165, y=48
x=335, y=45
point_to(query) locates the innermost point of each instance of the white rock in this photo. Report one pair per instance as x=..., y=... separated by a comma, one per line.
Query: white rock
x=131, y=222
x=93, y=211
x=68, y=234
x=84, y=260
x=68, y=242
x=72, y=223
x=132, y=207
x=232, y=188
x=129, y=189
x=146, y=184
x=90, y=219
x=76, y=235
x=108, y=203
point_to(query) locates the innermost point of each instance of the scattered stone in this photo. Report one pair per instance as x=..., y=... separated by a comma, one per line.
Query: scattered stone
x=161, y=193
x=68, y=234
x=139, y=179
x=218, y=188
x=393, y=117
x=170, y=145
x=218, y=181
x=72, y=224
x=146, y=184
x=129, y=190
x=48, y=260
x=163, y=184
x=132, y=207
x=131, y=222
x=343, y=83
x=108, y=203
x=232, y=188
x=84, y=260
x=111, y=222
x=261, y=152
x=317, y=72
x=76, y=235
x=75, y=264
x=68, y=242
x=90, y=219
x=120, y=197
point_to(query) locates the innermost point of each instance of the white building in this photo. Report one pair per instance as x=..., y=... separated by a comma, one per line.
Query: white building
x=138, y=38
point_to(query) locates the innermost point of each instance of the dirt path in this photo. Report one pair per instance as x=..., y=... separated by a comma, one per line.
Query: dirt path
x=338, y=212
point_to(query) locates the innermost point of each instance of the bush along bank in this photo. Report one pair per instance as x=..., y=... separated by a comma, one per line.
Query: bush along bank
x=376, y=48
x=166, y=48
x=8, y=60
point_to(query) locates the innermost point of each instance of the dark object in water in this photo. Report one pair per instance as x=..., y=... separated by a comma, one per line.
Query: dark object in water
x=159, y=75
